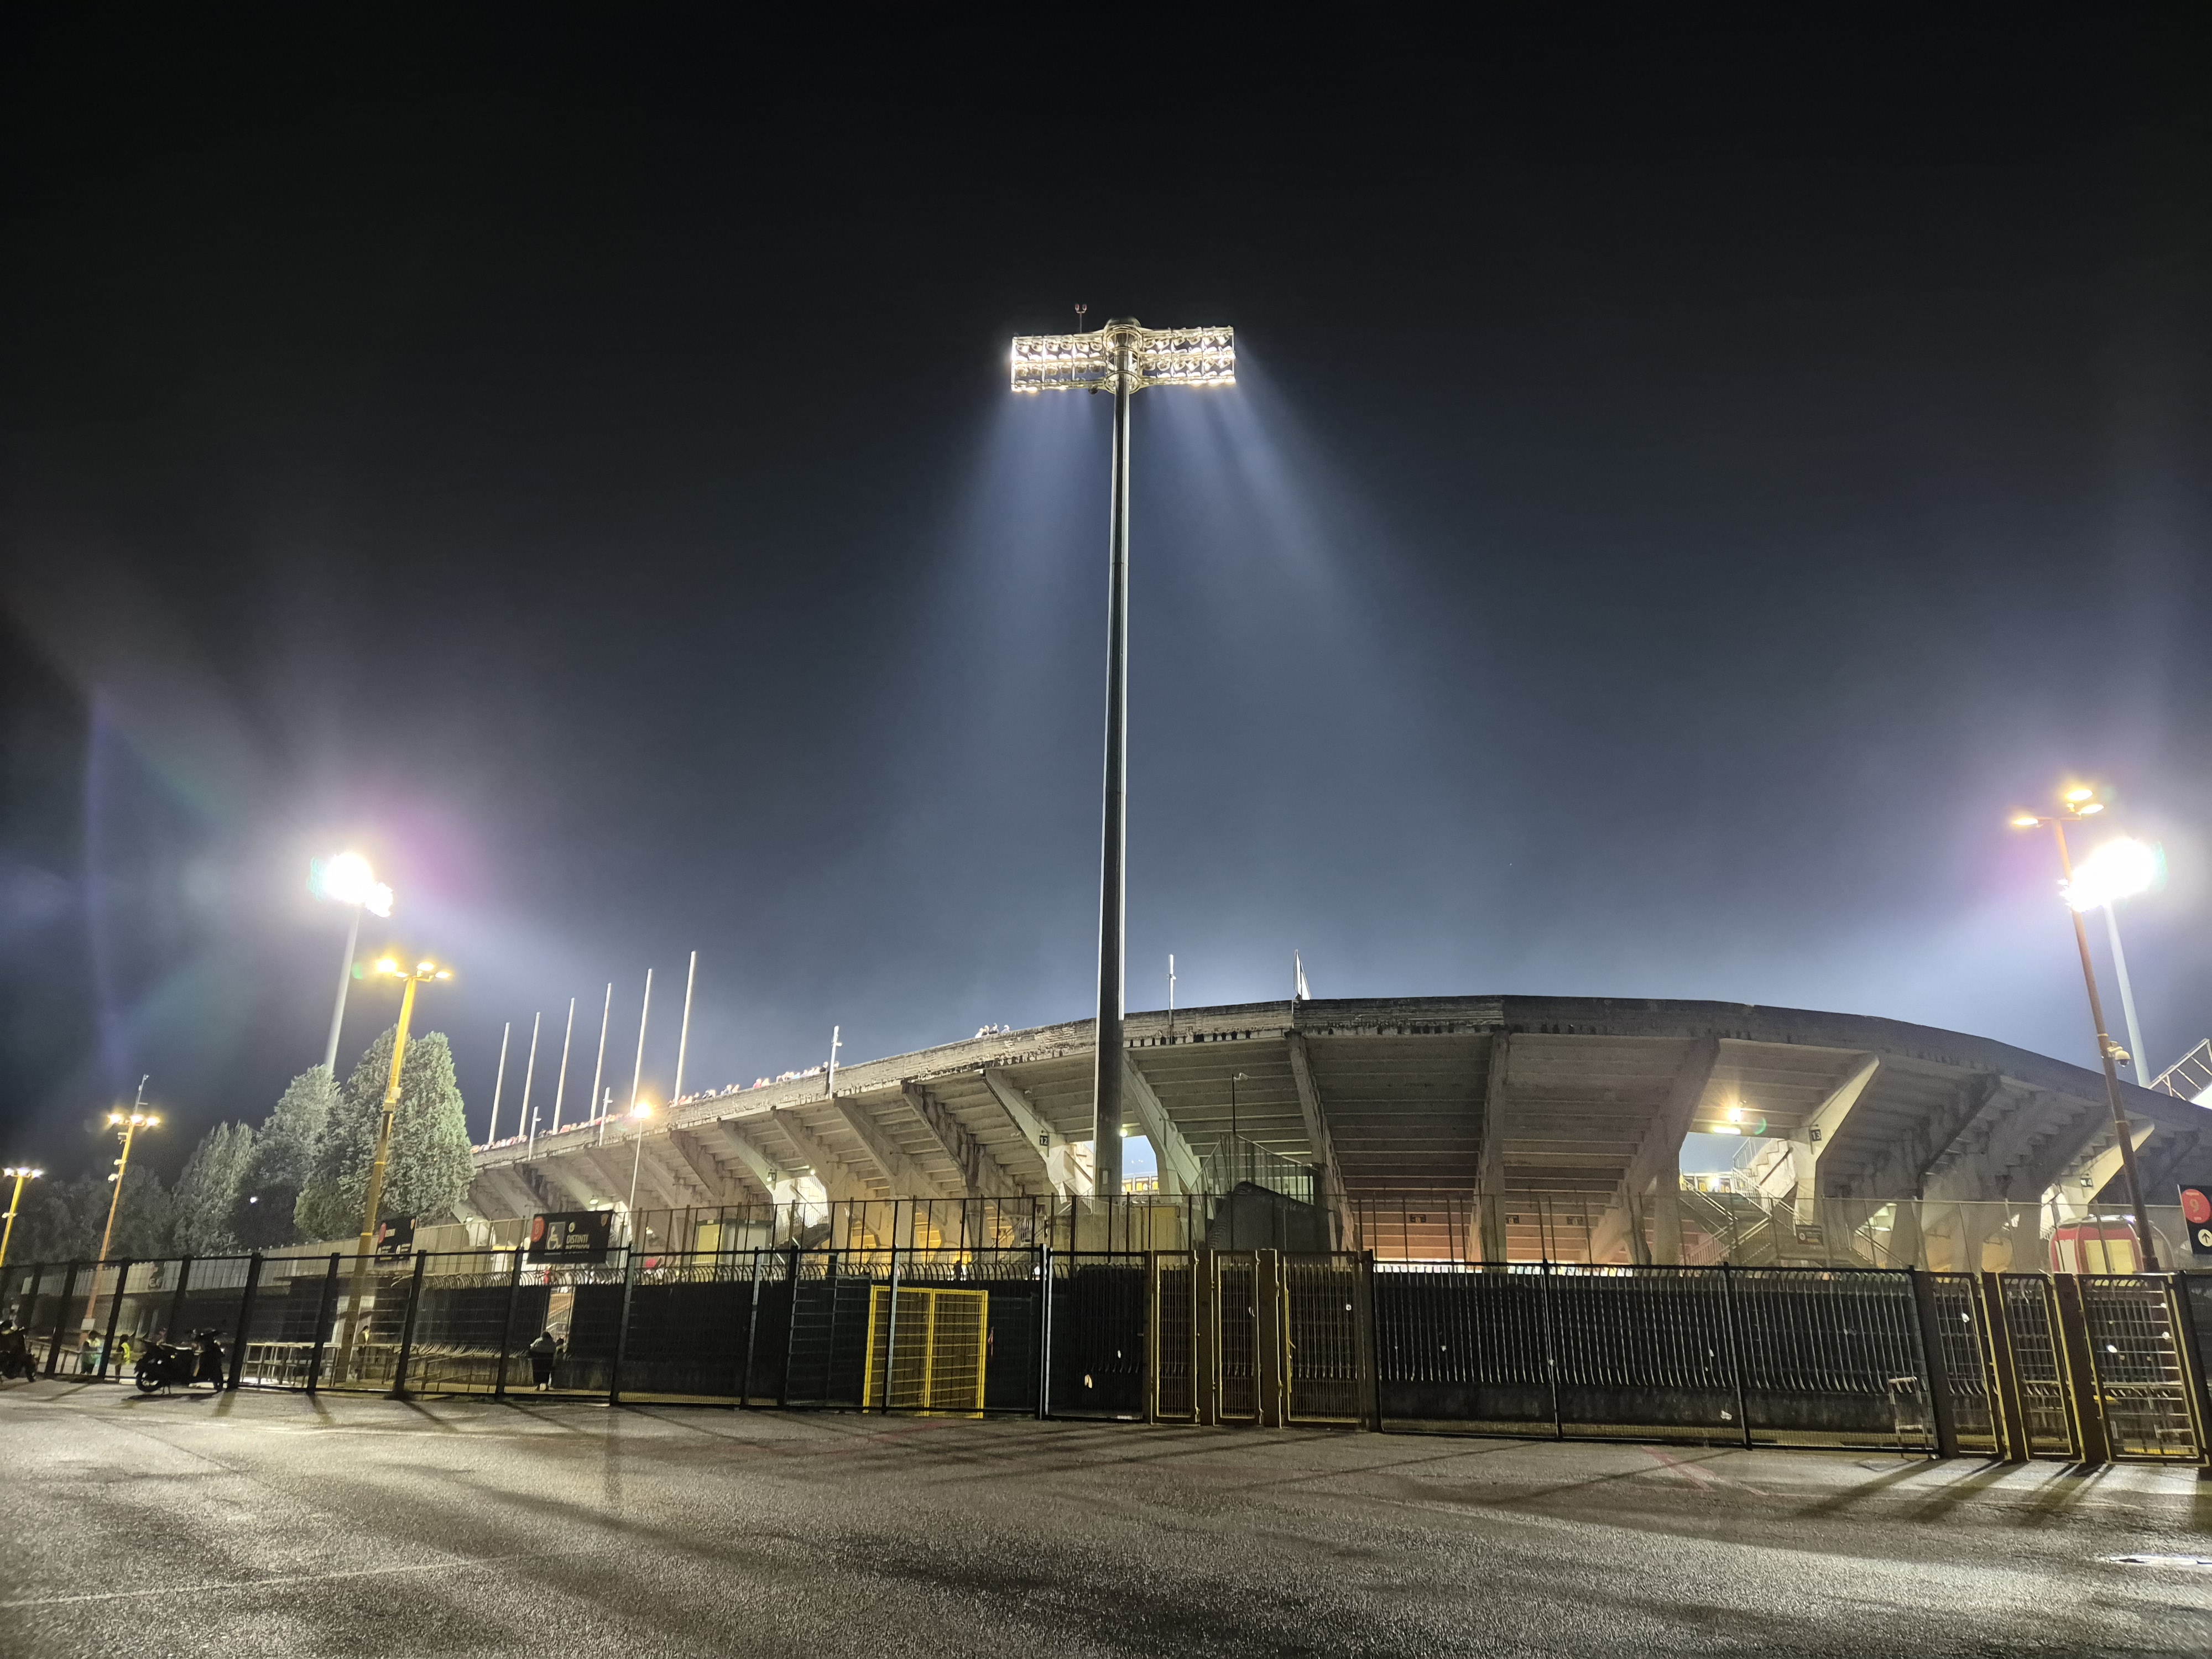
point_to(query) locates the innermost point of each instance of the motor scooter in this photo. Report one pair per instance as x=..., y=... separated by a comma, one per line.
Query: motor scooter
x=165, y=1364
x=15, y=1353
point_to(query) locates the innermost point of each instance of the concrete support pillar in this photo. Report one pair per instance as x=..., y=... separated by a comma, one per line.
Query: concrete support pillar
x=1491, y=1181
x=1907, y=1247
x=1801, y=1171
x=1667, y=1213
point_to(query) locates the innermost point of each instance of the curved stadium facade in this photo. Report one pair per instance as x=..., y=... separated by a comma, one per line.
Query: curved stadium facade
x=1497, y=1128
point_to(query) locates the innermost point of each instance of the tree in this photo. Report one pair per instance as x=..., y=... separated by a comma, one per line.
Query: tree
x=208, y=1192
x=429, y=1168
x=63, y=1220
x=283, y=1158
x=60, y=1220
x=145, y=1221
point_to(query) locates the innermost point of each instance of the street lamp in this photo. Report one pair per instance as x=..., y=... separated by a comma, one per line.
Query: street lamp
x=423, y=973
x=2119, y=869
x=346, y=879
x=19, y=1173
x=127, y=1126
x=1123, y=358
x=2076, y=806
x=638, y=1114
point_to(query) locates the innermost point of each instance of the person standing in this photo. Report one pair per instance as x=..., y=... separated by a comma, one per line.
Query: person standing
x=543, y=1352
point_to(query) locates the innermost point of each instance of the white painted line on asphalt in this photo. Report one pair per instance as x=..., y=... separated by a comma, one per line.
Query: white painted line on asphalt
x=2158, y=1560
x=455, y=1565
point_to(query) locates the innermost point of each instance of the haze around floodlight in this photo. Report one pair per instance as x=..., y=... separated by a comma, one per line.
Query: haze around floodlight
x=347, y=878
x=2118, y=870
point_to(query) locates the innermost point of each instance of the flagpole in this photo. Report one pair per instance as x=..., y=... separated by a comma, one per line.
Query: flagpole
x=560, y=1089
x=637, y=1073
x=527, y=1126
x=491, y=1129
x=599, y=1068
x=683, y=1038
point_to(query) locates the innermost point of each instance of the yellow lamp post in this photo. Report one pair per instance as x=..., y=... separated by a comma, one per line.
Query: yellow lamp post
x=127, y=1124
x=19, y=1173
x=422, y=974
x=2074, y=806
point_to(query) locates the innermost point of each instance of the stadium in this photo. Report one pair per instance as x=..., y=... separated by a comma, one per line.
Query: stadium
x=1498, y=1129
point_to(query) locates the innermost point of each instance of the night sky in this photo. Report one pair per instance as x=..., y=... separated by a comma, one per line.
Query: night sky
x=1687, y=481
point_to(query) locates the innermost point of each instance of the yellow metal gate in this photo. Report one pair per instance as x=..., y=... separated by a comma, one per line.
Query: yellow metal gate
x=927, y=1347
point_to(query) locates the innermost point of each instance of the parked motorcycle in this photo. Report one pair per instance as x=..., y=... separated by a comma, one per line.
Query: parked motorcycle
x=15, y=1353
x=165, y=1364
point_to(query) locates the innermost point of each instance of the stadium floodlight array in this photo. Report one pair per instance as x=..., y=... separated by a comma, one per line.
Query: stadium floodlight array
x=1157, y=356
x=1124, y=357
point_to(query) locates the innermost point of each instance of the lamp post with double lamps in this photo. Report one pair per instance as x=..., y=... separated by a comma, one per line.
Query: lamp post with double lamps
x=1124, y=357
x=127, y=1126
x=423, y=973
x=2077, y=805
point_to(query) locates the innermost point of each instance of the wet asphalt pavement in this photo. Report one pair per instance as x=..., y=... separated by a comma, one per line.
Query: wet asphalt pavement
x=274, y=1524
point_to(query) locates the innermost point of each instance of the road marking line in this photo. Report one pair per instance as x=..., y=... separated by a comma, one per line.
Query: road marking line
x=458, y=1566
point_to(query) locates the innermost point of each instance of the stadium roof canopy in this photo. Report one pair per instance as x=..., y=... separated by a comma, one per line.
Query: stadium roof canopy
x=1497, y=1094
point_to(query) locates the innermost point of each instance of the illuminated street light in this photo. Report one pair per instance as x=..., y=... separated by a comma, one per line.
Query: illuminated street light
x=423, y=972
x=1123, y=358
x=19, y=1173
x=2119, y=870
x=2075, y=805
x=127, y=1126
x=346, y=879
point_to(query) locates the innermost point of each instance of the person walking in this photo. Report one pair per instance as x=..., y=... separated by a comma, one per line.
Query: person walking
x=543, y=1353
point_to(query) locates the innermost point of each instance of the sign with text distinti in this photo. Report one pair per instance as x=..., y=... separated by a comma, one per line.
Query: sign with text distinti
x=570, y=1236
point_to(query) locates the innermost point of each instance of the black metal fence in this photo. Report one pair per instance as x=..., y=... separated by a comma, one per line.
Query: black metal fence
x=2017, y=1365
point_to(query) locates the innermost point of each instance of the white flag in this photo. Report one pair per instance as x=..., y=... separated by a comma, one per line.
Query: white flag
x=1298, y=970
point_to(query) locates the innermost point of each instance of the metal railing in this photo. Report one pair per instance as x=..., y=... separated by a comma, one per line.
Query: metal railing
x=2088, y=1367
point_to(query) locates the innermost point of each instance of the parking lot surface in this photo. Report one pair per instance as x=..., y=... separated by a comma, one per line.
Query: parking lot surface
x=275, y=1524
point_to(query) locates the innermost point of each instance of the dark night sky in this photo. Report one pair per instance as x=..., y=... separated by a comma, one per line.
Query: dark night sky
x=1687, y=481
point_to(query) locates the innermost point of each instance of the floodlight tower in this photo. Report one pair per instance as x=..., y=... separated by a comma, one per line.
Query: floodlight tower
x=2074, y=806
x=346, y=879
x=1124, y=357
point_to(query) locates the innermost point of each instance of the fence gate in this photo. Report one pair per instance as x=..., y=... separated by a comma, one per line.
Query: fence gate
x=1099, y=1326
x=926, y=1349
x=826, y=1337
x=2141, y=1374
x=1237, y=1335
x=2030, y=1328
x=1175, y=1337
x=1321, y=1303
x=1963, y=1332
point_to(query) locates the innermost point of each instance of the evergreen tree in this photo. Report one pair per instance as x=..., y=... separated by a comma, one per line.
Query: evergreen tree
x=63, y=1220
x=429, y=1168
x=60, y=1220
x=283, y=1156
x=145, y=1221
x=208, y=1191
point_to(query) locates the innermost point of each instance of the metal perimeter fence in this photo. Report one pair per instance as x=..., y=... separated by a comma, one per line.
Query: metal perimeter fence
x=2086, y=1368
